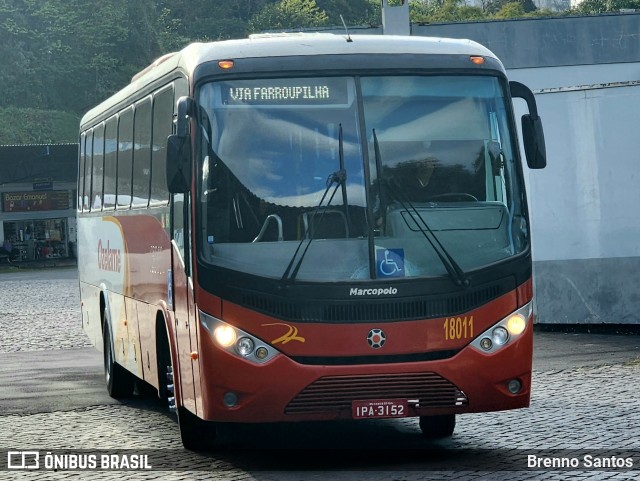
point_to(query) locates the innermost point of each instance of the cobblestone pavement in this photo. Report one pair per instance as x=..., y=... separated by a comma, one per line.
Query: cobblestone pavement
x=40, y=310
x=583, y=409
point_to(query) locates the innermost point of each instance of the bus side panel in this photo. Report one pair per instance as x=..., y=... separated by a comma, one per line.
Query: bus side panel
x=148, y=354
x=90, y=309
x=129, y=355
x=148, y=260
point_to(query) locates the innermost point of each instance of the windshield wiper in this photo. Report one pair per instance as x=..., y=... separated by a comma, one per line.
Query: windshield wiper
x=338, y=178
x=345, y=201
x=455, y=272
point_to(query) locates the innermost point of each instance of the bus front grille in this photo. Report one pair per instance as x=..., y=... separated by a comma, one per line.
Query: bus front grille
x=373, y=310
x=336, y=393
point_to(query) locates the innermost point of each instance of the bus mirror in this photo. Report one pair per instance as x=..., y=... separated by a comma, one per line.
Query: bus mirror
x=185, y=109
x=178, y=164
x=532, y=133
x=533, y=137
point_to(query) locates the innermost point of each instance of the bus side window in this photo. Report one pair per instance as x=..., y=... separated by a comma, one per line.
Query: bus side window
x=125, y=159
x=110, y=162
x=142, y=153
x=98, y=168
x=87, y=171
x=81, y=172
x=162, y=126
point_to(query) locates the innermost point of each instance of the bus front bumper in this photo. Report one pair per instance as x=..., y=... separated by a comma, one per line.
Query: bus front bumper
x=236, y=390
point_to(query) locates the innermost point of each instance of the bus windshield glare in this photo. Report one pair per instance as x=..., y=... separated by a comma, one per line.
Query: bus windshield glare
x=421, y=154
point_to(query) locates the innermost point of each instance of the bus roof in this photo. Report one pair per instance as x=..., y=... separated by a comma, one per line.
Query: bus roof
x=289, y=44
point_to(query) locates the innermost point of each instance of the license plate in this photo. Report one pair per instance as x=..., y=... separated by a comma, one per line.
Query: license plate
x=379, y=408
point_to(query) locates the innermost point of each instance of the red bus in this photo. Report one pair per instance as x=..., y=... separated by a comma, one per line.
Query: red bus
x=312, y=227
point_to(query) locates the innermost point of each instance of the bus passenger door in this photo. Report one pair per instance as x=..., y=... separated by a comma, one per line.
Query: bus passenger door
x=183, y=299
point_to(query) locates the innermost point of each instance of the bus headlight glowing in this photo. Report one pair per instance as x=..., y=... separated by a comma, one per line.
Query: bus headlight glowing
x=516, y=324
x=500, y=336
x=505, y=331
x=244, y=346
x=235, y=341
x=225, y=335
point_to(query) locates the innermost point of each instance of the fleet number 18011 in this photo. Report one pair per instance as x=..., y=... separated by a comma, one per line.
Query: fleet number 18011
x=456, y=328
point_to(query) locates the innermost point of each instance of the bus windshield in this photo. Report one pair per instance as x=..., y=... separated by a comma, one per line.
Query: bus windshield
x=425, y=157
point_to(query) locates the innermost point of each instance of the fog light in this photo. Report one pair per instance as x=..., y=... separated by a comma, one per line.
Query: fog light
x=230, y=399
x=262, y=353
x=485, y=343
x=500, y=335
x=514, y=386
x=225, y=335
x=244, y=346
x=516, y=325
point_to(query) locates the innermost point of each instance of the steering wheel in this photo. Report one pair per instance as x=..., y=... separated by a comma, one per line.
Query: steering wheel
x=454, y=197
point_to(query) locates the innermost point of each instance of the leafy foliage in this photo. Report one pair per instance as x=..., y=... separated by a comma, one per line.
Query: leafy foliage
x=32, y=126
x=594, y=7
x=68, y=55
x=289, y=14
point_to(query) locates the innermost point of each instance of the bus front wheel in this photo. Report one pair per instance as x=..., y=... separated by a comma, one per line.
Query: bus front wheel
x=195, y=433
x=435, y=427
x=120, y=382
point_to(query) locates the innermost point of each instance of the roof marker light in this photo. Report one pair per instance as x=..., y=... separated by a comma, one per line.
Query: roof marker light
x=225, y=64
x=477, y=60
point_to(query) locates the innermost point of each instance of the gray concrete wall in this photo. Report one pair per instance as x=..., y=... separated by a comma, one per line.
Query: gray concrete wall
x=551, y=42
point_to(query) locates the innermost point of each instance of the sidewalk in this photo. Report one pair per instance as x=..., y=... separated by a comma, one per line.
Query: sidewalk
x=38, y=264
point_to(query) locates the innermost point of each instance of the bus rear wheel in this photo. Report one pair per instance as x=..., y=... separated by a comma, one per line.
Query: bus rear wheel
x=119, y=381
x=436, y=427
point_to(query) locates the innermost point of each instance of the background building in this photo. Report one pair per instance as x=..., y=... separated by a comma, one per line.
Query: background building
x=585, y=73
x=38, y=196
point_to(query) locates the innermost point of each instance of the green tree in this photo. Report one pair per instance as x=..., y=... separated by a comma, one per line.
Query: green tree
x=181, y=22
x=289, y=14
x=495, y=6
x=510, y=10
x=447, y=11
x=34, y=126
x=354, y=12
x=595, y=7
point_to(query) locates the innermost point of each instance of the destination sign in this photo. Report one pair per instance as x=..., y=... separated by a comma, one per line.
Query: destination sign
x=325, y=91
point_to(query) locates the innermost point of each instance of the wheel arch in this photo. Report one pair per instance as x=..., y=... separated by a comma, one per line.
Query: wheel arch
x=166, y=340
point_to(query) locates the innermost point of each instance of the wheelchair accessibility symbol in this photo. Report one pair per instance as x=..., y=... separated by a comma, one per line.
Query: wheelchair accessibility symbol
x=390, y=262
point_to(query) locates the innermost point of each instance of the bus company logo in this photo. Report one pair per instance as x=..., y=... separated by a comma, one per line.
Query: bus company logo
x=386, y=291
x=376, y=338
x=290, y=335
x=109, y=259
x=23, y=460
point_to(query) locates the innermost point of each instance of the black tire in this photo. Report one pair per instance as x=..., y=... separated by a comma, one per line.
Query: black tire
x=120, y=382
x=437, y=427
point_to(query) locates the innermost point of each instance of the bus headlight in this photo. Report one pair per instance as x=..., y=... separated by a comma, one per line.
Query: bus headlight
x=225, y=335
x=236, y=341
x=244, y=346
x=516, y=324
x=504, y=332
x=500, y=336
